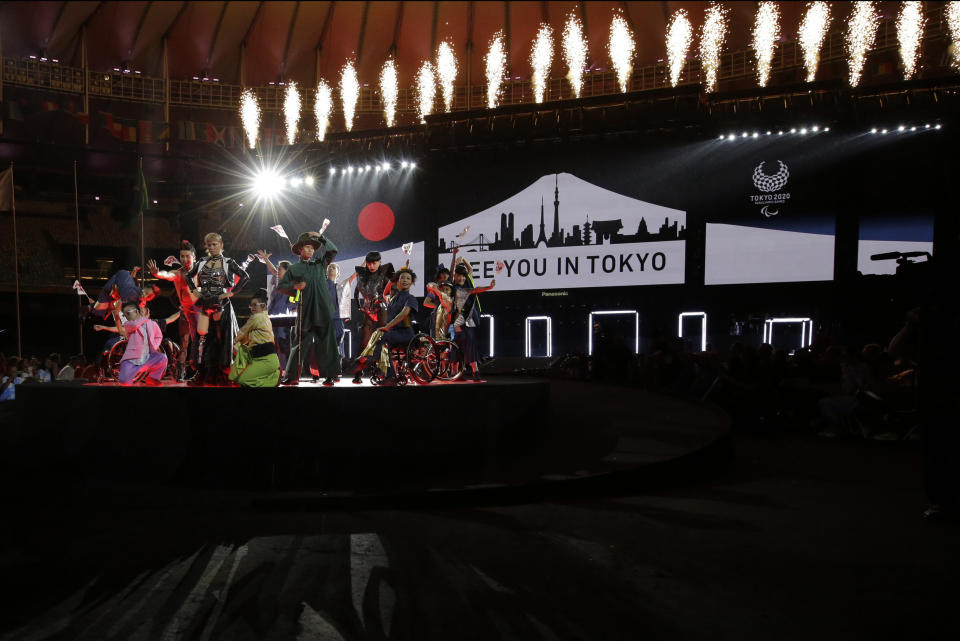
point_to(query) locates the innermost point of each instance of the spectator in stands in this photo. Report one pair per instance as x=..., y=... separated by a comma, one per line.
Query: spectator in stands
x=856, y=377
x=68, y=371
x=13, y=378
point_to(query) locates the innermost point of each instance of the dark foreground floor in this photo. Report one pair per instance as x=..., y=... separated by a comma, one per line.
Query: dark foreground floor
x=794, y=538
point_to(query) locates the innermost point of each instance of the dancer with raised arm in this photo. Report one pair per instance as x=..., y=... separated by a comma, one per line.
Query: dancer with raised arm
x=183, y=284
x=215, y=275
x=313, y=344
x=465, y=316
x=142, y=357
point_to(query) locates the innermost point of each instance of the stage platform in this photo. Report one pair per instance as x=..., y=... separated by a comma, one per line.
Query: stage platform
x=349, y=440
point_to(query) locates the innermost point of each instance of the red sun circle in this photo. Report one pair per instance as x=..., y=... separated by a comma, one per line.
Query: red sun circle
x=375, y=221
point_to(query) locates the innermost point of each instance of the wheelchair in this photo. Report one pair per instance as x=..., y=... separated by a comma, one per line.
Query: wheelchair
x=417, y=361
x=110, y=364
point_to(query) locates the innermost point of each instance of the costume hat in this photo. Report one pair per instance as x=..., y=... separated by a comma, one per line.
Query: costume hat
x=306, y=238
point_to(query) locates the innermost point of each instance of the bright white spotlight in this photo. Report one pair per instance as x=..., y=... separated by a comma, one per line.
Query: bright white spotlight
x=926, y=126
x=901, y=128
x=413, y=165
x=755, y=134
x=349, y=169
x=793, y=131
x=309, y=181
x=367, y=168
x=296, y=182
x=386, y=166
x=937, y=127
x=780, y=133
x=816, y=127
x=883, y=131
x=769, y=132
x=913, y=128
x=826, y=128
x=333, y=170
x=874, y=130
x=267, y=184
x=404, y=164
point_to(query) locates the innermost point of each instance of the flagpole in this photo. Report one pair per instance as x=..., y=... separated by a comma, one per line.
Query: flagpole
x=76, y=212
x=142, y=182
x=16, y=260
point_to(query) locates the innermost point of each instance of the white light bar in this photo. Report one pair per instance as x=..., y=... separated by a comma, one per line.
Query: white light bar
x=490, y=316
x=636, y=327
x=806, y=330
x=526, y=334
x=703, y=327
x=347, y=334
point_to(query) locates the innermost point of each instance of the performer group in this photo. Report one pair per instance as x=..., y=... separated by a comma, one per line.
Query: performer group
x=297, y=323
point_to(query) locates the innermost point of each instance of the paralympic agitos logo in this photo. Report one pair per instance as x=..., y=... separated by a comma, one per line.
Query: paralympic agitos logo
x=771, y=184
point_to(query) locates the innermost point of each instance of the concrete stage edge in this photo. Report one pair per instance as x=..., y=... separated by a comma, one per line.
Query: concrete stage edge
x=345, y=437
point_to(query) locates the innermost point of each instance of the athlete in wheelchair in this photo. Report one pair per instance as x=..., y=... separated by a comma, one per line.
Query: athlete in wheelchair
x=113, y=354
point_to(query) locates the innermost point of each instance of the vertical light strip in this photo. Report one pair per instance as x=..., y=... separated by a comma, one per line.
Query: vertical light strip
x=615, y=312
x=703, y=327
x=490, y=316
x=528, y=321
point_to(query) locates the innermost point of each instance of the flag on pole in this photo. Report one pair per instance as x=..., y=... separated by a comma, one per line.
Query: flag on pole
x=80, y=290
x=323, y=227
x=407, y=248
x=170, y=261
x=280, y=232
x=6, y=190
x=140, y=192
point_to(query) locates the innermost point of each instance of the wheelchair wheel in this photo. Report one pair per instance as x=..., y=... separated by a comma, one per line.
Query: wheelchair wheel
x=172, y=350
x=421, y=359
x=449, y=361
x=110, y=368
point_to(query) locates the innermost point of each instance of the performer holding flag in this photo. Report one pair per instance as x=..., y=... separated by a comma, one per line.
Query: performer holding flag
x=315, y=344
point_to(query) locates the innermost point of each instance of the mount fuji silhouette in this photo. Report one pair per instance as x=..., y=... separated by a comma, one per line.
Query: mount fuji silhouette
x=579, y=213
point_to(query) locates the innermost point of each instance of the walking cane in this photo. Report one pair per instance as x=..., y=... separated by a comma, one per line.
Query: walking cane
x=299, y=333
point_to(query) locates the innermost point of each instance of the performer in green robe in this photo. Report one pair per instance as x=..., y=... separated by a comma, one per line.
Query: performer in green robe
x=317, y=348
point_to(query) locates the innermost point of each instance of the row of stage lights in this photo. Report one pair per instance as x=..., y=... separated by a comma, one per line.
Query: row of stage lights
x=815, y=129
x=802, y=131
x=269, y=183
x=905, y=128
x=363, y=169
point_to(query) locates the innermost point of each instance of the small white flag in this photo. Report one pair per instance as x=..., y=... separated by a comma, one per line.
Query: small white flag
x=464, y=232
x=170, y=261
x=77, y=286
x=407, y=248
x=280, y=232
x=323, y=227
